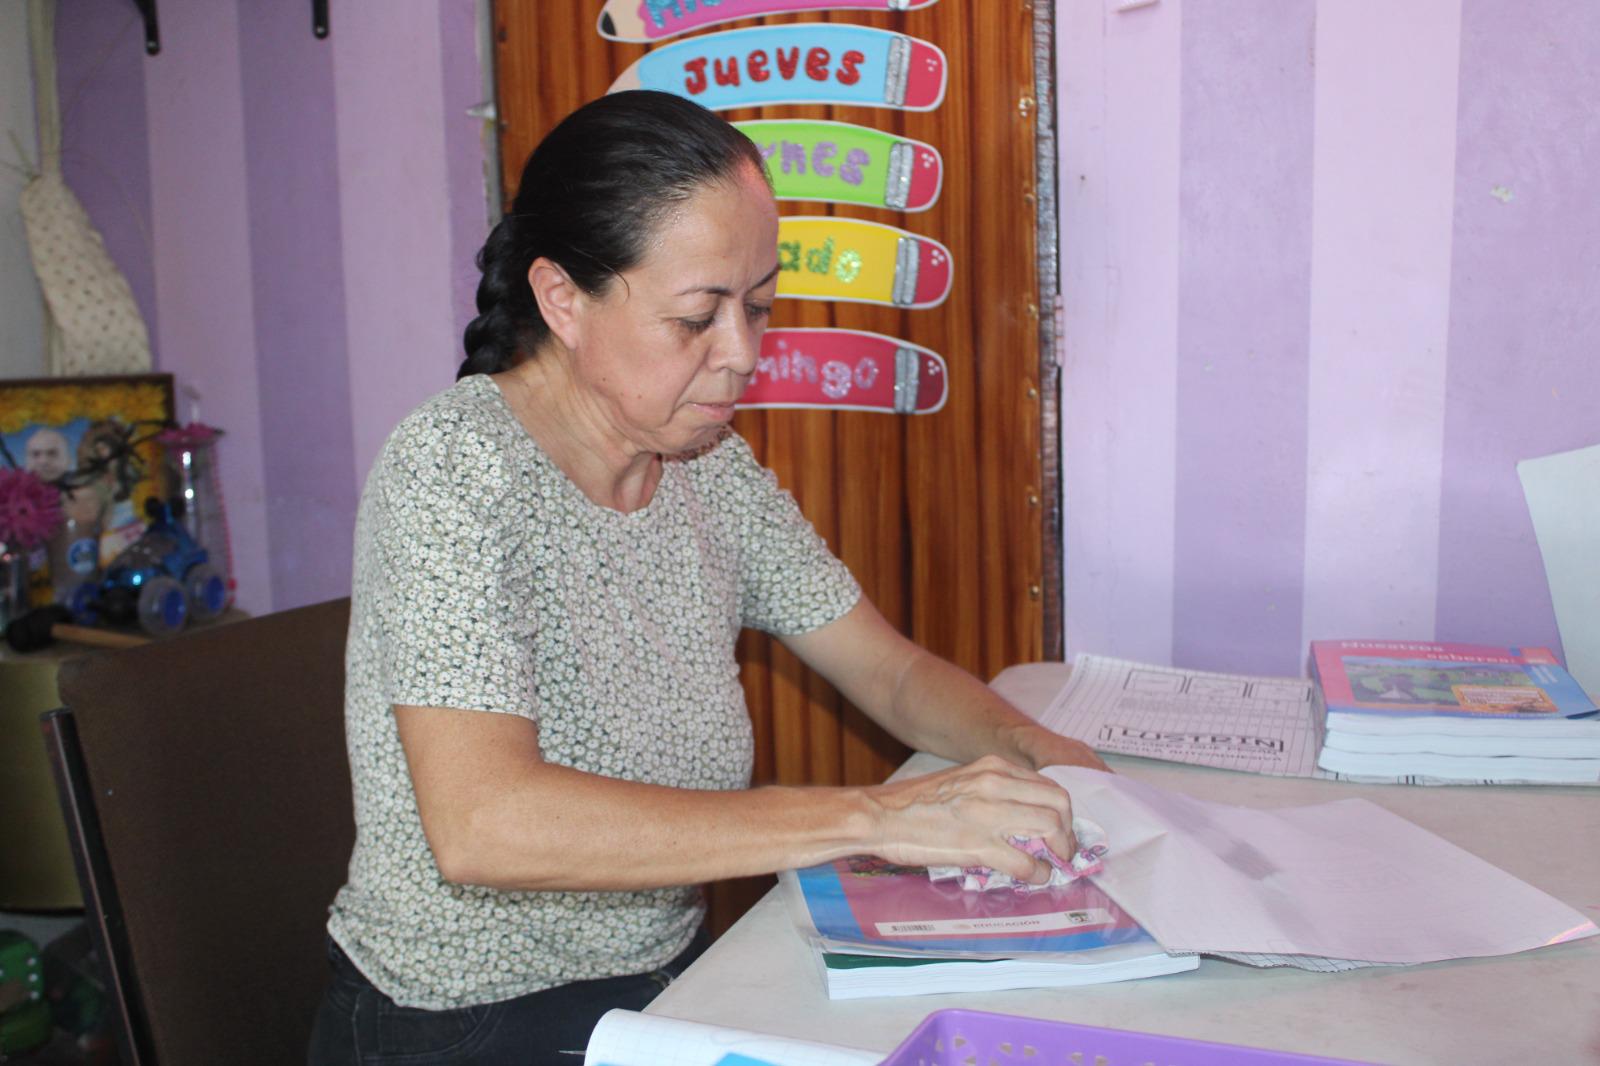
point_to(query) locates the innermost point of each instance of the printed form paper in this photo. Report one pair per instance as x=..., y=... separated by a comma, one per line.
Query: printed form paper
x=1261, y=725
x=1324, y=887
x=628, y=1038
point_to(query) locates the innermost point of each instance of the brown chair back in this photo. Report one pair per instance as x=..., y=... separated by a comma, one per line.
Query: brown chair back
x=207, y=793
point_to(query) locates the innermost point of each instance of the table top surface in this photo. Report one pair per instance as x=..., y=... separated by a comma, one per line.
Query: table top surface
x=58, y=652
x=1536, y=1007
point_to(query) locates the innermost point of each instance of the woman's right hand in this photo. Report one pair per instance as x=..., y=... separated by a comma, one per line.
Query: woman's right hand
x=964, y=816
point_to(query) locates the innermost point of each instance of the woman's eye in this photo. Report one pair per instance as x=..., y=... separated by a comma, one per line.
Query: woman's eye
x=697, y=325
x=758, y=310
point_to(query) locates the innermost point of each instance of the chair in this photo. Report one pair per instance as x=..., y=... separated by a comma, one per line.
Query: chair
x=207, y=796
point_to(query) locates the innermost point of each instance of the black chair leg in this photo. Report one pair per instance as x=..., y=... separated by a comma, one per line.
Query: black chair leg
x=102, y=909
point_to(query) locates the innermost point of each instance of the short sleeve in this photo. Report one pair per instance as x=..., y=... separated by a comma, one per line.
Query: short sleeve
x=789, y=582
x=453, y=622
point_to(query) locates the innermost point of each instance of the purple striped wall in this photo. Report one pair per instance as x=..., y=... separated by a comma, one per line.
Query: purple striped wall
x=222, y=174
x=464, y=152
x=1386, y=294
x=1243, y=332
x=1380, y=300
x=1524, y=370
x=1119, y=195
x=201, y=227
x=105, y=153
x=394, y=214
x=297, y=285
x=1305, y=343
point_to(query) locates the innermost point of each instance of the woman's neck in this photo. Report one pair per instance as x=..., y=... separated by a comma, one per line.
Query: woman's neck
x=573, y=431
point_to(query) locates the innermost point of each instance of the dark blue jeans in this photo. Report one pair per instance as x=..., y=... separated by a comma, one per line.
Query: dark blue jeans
x=359, y=1026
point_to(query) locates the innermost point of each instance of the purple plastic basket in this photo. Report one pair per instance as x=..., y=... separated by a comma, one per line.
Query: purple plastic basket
x=982, y=1038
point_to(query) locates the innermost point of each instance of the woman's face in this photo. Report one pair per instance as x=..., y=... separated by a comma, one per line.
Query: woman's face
x=670, y=345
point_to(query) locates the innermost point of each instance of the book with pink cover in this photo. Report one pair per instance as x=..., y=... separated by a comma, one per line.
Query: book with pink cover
x=864, y=903
x=1402, y=687
x=878, y=929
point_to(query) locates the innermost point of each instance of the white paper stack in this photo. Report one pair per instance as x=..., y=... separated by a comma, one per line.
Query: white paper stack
x=1465, y=712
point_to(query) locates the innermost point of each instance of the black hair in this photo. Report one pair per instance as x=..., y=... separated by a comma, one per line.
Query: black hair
x=589, y=199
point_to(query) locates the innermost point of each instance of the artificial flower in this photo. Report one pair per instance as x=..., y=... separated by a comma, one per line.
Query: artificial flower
x=30, y=509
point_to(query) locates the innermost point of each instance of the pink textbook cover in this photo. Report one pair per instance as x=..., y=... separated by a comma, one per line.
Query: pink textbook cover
x=870, y=902
x=1428, y=677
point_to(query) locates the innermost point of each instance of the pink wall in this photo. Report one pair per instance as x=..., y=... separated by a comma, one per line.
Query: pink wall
x=1328, y=270
x=297, y=219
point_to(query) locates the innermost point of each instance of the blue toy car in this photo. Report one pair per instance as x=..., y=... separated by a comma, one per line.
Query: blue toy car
x=161, y=580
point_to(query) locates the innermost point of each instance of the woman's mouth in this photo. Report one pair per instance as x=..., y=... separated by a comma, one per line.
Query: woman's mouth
x=721, y=412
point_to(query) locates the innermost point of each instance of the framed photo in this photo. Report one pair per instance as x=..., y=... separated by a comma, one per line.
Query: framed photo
x=94, y=438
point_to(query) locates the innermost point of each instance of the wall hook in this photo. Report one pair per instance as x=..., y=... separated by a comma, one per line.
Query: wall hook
x=152, y=29
x=319, y=19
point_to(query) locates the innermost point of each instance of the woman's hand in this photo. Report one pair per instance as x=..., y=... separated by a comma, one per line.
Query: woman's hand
x=1042, y=747
x=963, y=817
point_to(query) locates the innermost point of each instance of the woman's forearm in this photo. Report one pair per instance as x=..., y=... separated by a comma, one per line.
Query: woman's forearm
x=496, y=814
x=940, y=708
x=955, y=715
x=564, y=829
x=925, y=701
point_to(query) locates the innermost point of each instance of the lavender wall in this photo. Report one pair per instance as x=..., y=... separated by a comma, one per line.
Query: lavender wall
x=297, y=219
x=1524, y=374
x=302, y=370
x=22, y=352
x=1329, y=271
x=105, y=150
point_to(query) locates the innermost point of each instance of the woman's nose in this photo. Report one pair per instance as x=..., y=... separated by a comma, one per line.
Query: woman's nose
x=739, y=349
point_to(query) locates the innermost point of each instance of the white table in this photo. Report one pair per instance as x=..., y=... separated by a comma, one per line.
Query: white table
x=1534, y=1008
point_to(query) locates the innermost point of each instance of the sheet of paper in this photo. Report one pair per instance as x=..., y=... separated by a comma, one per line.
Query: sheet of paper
x=1262, y=725
x=1346, y=880
x=1563, y=493
x=628, y=1038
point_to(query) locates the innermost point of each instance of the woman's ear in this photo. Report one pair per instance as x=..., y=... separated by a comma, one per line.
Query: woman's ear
x=559, y=299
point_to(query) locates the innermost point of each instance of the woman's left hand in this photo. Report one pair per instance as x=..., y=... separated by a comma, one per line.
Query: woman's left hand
x=1046, y=748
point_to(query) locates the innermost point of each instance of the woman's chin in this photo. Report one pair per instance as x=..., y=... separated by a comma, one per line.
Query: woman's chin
x=704, y=430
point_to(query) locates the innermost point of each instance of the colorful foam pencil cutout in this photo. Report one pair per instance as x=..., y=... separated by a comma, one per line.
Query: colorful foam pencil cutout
x=842, y=163
x=846, y=370
x=647, y=21
x=825, y=258
x=803, y=63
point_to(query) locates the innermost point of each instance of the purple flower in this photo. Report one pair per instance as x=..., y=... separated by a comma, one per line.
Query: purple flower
x=30, y=510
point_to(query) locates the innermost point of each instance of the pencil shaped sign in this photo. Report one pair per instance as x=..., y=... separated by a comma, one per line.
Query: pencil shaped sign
x=803, y=63
x=826, y=258
x=842, y=163
x=647, y=21
x=846, y=370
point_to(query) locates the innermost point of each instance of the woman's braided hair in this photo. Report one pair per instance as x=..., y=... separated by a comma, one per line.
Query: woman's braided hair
x=589, y=200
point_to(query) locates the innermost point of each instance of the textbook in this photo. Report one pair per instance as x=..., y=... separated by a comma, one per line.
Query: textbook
x=878, y=929
x=1539, y=770
x=1260, y=725
x=1453, y=710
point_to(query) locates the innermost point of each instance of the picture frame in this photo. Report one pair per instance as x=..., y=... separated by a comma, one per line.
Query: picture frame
x=95, y=438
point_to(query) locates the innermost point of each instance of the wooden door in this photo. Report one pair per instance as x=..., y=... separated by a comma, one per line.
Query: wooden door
x=943, y=518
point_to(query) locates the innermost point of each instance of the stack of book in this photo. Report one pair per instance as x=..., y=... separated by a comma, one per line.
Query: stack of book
x=877, y=929
x=1457, y=712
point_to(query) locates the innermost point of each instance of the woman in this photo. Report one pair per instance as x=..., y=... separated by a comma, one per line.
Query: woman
x=549, y=743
